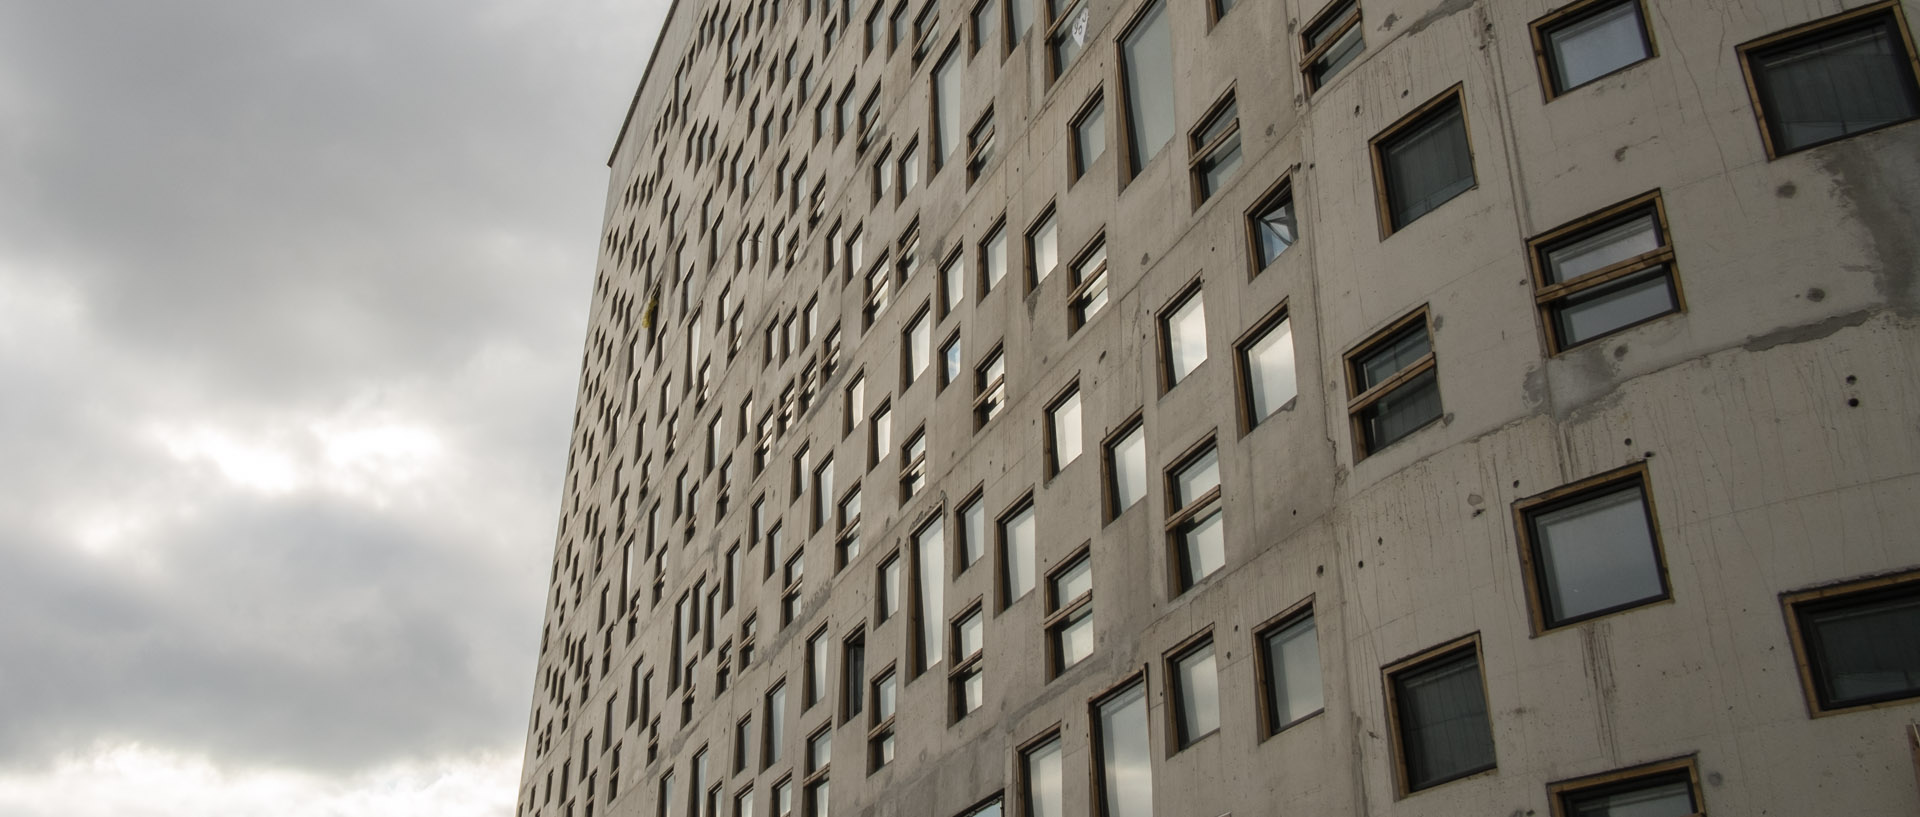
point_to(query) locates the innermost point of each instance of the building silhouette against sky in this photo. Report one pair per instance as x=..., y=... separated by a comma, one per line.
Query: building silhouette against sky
x=1252, y=407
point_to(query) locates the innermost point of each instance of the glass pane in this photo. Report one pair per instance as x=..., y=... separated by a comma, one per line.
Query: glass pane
x=1637, y=235
x=1619, y=304
x=946, y=111
x=950, y=361
x=1387, y=359
x=986, y=25
x=1196, y=477
x=1076, y=638
x=890, y=588
x=1330, y=21
x=1596, y=45
x=1044, y=245
x=952, y=284
x=1045, y=784
x=1072, y=582
x=1866, y=651
x=1199, y=685
x=1293, y=672
x=884, y=702
x=1126, y=764
x=973, y=691
x=1129, y=469
x=1277, y=229
x=994, y=251
x=1343, y=51
x=1270, y=373
x=919, y=341
x=1147, y=54
x=1444, y=731
x=1022, y=13
x=932, y=550
x=1186, y=338
x=1402, y=411
x=1090, y=135
x=1066, y=431
x=1071, y=39
x=1845, y=82
x=776, y=723
x=1661, y=797
x=972, y=634
x=1020, y=533
x=1218, y=168
x=973, y=533
x=1203, y=543
x=819, y=751
x=1427, y=165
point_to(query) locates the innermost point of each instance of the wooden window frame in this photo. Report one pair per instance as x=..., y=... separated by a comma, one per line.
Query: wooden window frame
x=1376, y=149
x=1109, y=498
x=1397, y=748
x=961, y=667
x=1022, y=766
x=1123, y=134
x=1097, y=793
x=1571, y=13
x=1198, y=153
x=989, y=397
x=1242, y=371
x=881, y=614
x=1169, y=664
x=1087, y=282
x=1680, y=767
x=1358, y=401
x=1571, y=495
x=1328, y=19
x=1002, y=559
x=1547, y=296
x=1050, y=435
x=1746, y=51
x=940, y=380
x=1178, y=515
x=915, y=468
x=884, y=728
x=980, y=147
x=982, y=286
x=1058, y=27
x=921, y=317
x=1077, y=163
x=1836, y=594
x=1270, y=724
x=1281, y=188
x=1192, y=289
x=1061, y=612
x=1034, y=276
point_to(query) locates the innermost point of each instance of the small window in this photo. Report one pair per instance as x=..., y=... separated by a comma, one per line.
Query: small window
x=1089, y=294
x=967, y=679
x=985, y=30
x=1183, y=335
x=1195, y=688
x=1591, y=548
x=1043, y=249
x=1215, y=149
x=1069, y=614
x=1393, y=382
x=1422, y=161
x=1654, y=790
x=882, y=175
x=1272, y=226
x=1219, y=8
x=909, y=169
x=880, y=740
x=980, y=147
x=1043, y=783
x=917, y=341
x=973, y=532
x=1437, y=708
x=1063, y=430
x=816, y=687
x=887, y=589
x=913, y=466
x=1123, y=773
x=1858, y=644
x=1126, y=465
x=1089, y=136
x=1146, y=78
x=943, y=138
x=950, y=360
x=990, y=388
x=1588, y=40
x=1067, y=28
x=1833, y=78
x=953, y=283
x=880, y=433
x=1605, y=273
x=1290, y=667
x=1268, y=381
x=993, y=257
x=1195, y=535
x=1019, y=543
x=926, y=29
x=1331, y=41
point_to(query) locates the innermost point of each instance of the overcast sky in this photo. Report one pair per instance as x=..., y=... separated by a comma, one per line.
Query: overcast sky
x=292, y=300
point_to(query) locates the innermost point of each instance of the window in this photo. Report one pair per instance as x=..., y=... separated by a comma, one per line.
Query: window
x=880, y=431
x=1214, y=145
x=855, y=402
x=1089, y=294
x=819, y=762
x=1833, y=78
x=1018, y=542
x=782, y=797
x=897, y=28
x=869, y=118
x=1183, y=334
x=913, y=466
x=953, y=283
x=1123, y=779
x=1858, y=644
x=1331, y=41
x=880, y=735
x=776, y=724
x=909, y=168
x=742, y=744
x=1089, y=136
x=1069, y=614
x=991, y=808
x=950, y=360
x=1290, y=668
x=1194, y=683
x=1126, y=461
x=1019, y=19
x=930, y=571
x=985, y=26
x=917, y=341
x=1042, y=782
x=1588, y=40
x=1219, y=8
x=990, y=388
x=1063, y=430
x=1422, y=161
x=1393, y=385
x=1669, y=787
x=944, y=136
x=1043, y=249
x=980, y=147
x=848, y=529
x=1067, y=29
x=967, y=680
x=926, y=29
x=1146, y=82
x=973, y=531
x=1591, y=548
x=1272, y=226
x=816, y=690
x=993, y=255
x=1267, y=376
x=743, y=804
x=853, y=674
x=873, y=30
x=1194, y=530
x=1604, y=273
x=1437, y=711
x=887, y=589
x=882, y=175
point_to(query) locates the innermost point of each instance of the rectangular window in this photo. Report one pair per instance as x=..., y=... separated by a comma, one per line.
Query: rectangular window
x=1067, y=27
x=953, y=283
x=1089, y=140
x=743, y=804
x=847, y=529
x=1123, y=778
x=1652, y=790
x=1437, y=708
x=1214, y=146
x=1183, y=336
x=816, y=668
x=930, y=571
x=1126, y=461
x=887, y=589
x=990, y=388
x=967, y=679
x=1194, y=531
x=1832, y=78
x=1043, y=249
x=783, y=798
x=1422, y=161
x=944, y=136
x=1604, y=273
x=1267, y=376
x=880, y=734
x=1146, y=80
x=1588, y=40
x=880, y=433
x=1019, y=540
x=1272, y=226
x=1019, y=19
x=775, y=718
x=917, y=342
x=993, y=255
x=1290, y=666
x=854, y=404
x=853, y=675
x=913, y=466
x=926, y=29
x=1858, y=644
x=909, y=169
x=1089, y=295
x=1194, y=684
x=973, y=531
x=1063, y=430
x=986, y=26
x=950, y=360
x=1043, y=783
x=980, y=147
x=869, y=116
x=1591, y=548
x=1393, y=384
x=1330, y=42
x=882, y=175
x=742, y=744
x=1069, y=614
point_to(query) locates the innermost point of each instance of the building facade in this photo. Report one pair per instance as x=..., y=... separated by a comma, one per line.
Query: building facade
x=1251, y=407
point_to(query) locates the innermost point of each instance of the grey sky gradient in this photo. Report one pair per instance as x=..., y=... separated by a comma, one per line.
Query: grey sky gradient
x=292, y=298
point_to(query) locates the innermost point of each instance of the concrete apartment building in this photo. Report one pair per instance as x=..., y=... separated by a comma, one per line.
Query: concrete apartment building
x=1251, y=407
